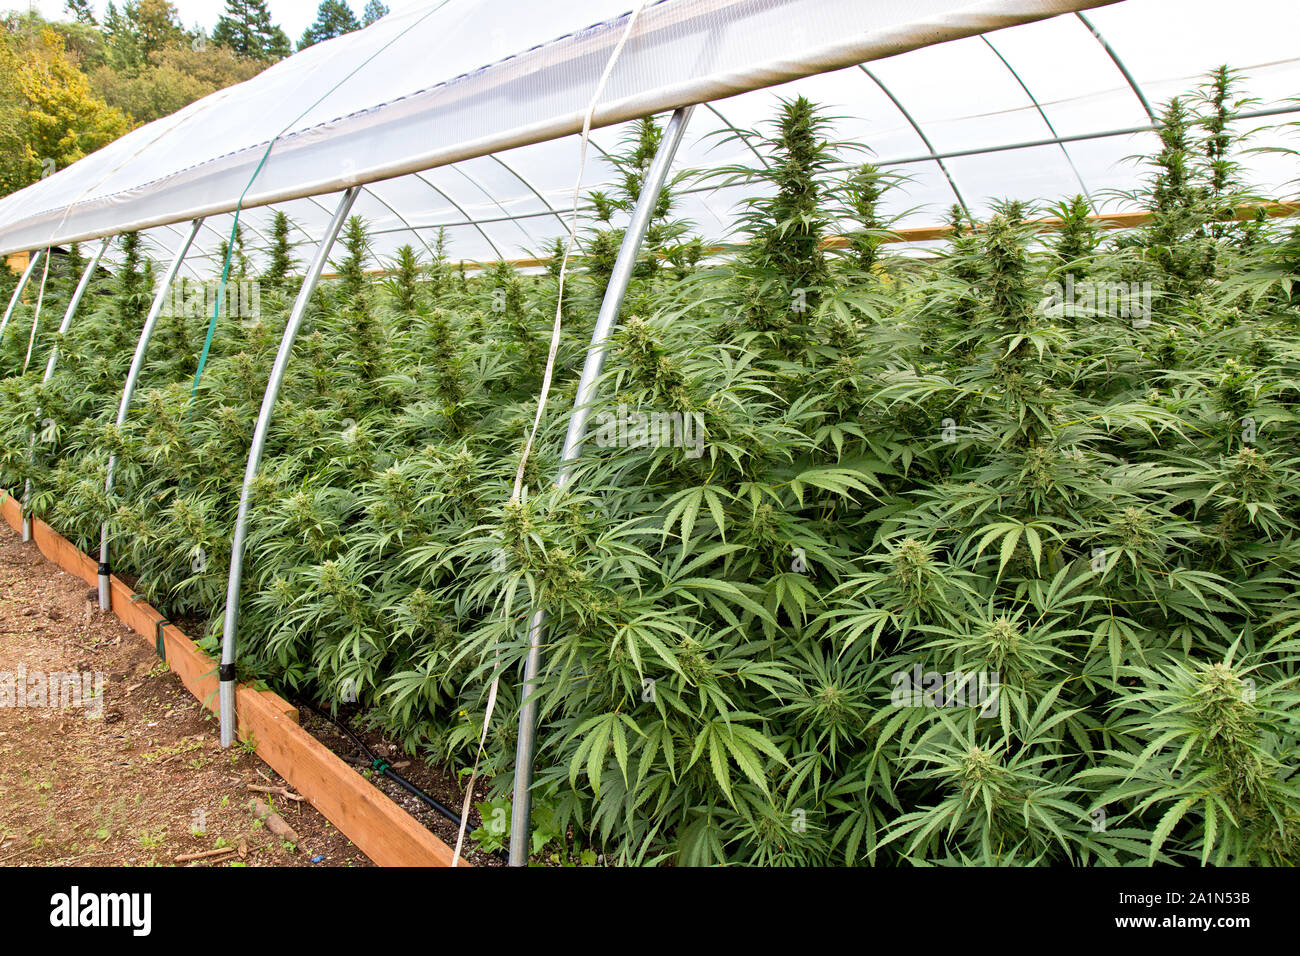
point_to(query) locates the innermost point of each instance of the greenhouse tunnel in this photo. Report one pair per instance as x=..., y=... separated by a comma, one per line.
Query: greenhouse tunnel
x=434, y=130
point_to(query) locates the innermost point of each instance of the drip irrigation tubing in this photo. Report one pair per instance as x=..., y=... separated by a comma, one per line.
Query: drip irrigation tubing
x=384, y=767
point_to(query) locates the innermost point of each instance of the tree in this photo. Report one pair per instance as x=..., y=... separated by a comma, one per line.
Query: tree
x=49, y=116
x=157, y=24
x=80, y=9
x=83, y=43
x=171, y=79
x=333, y=19
x=124, y=51
x=140, y=29
x=375, y=10
x=246, y=29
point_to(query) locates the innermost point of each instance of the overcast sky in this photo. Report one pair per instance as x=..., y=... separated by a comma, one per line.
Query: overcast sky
x=294, y=15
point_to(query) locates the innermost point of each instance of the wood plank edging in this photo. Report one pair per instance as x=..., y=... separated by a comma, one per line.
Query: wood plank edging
x=381, y=829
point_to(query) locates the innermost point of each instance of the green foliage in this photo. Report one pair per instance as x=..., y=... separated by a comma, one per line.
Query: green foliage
x=952, y=575
x=172, y=78
x=333, y=19
x=66, y=89
x=281, y=254
x=374, y=10
x=245, y=28
x=49, y=115
x=139, y=30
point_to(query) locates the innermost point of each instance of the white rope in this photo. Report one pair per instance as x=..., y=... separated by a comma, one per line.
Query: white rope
x=547, y=375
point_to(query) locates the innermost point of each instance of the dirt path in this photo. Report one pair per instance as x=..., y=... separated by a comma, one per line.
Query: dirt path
x=134, y=777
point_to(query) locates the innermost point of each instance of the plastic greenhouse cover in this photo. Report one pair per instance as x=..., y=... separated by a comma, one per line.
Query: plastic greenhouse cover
x=489, y=155
x=363, y=107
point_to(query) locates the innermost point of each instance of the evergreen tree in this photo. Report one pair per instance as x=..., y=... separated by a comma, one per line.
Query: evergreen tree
x=138, y=30
x=81, y=11
x=245, y=28
x=124, y=53
x=333, y=19
x=375, y=10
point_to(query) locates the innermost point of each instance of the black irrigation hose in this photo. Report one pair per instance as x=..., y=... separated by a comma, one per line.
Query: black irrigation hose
x=384, y=767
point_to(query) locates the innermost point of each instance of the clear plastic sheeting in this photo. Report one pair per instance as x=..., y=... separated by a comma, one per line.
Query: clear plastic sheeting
x=989, y=100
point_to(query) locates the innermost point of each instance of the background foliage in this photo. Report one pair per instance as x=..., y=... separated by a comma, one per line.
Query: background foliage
x=68, y=88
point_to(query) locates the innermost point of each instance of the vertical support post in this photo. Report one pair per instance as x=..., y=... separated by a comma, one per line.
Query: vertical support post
x=27, y=361
x=128, y=391
x=82, y=286
x=573, y=441
x=226, y=673
x=18, y=289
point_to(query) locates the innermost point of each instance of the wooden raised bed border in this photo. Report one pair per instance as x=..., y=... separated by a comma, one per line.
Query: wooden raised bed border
x=381, y=829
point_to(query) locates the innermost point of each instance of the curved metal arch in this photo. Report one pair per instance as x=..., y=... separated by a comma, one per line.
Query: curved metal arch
x=324, y=208
x=537, y=214
x=1046, y=120
x=742, y=135
x=531, y=188
x=400, y=218
x=87, y=276
x=362, y=189
x=225, y=237
x=532, y=240
x=32, y=259
x=606, y=320
x=221, y=237
x=293, y=224
x=952, y=183
x=185, y=264
x=550, y=209
x=36, y=312
x=229, y=645
x=128, y=392
x=929, y=157
x=74, y=303
x=605, y=155
x=1128, y=77
x=744, y=138
x=461, y=209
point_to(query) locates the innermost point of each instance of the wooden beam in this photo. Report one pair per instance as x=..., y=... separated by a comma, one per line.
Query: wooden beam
x=17, y=261
x=1106, y=220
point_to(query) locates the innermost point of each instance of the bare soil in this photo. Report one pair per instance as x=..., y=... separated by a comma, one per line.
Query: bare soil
x=137, y=778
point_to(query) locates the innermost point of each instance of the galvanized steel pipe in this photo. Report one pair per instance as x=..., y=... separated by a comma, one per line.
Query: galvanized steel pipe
x=86, y=276
x=573, y=441
x=18, y=289
x=128, y=391
x=226, y=687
